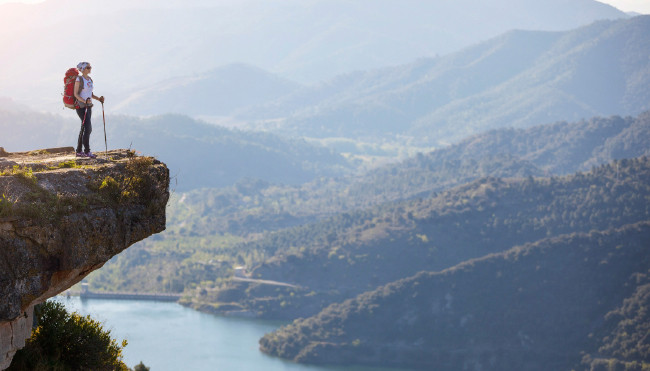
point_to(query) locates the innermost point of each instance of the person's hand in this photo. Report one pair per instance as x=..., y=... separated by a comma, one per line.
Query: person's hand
x=101, y=99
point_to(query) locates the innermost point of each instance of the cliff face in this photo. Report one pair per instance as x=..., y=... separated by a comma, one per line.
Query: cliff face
x=61, y=218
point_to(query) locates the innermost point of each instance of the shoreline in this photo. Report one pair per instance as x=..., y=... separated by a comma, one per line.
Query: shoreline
x=123, y=295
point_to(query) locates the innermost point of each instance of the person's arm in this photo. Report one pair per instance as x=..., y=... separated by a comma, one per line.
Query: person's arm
x=101, y=99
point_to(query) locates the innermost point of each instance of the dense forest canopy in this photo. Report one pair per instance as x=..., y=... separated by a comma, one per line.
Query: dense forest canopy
x=206, y=226
x=539, y=306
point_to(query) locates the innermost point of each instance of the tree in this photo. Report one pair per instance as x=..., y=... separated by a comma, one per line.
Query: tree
x=68, y=341
x=141, y=367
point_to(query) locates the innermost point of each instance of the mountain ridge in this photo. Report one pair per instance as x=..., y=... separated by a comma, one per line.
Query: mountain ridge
x=307, y=41
x=596, y=70
x=218, y=92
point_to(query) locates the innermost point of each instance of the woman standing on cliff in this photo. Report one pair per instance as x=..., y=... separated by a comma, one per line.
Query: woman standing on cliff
x=83, y=92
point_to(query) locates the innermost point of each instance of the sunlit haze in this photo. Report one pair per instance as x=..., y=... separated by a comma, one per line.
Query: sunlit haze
x=412, y=184
x=638, y=6
x=23, y=1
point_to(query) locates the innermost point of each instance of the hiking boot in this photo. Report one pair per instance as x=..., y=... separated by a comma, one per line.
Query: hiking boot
x=81, y=154
x=91, y=155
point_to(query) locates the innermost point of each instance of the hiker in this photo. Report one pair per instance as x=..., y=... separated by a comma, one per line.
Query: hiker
x=83, y=92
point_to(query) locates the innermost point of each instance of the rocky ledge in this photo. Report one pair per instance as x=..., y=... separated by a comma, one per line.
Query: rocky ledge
x=62, y=217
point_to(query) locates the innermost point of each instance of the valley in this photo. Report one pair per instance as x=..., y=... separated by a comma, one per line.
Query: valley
x=421, y=185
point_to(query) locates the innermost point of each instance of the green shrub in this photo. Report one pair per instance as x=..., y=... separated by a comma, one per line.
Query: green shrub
x=25, y=174
x=68, y=341
x=135, y=184
x=6, y=207
x=141, y=367
x=70, y=164
x=110, y=188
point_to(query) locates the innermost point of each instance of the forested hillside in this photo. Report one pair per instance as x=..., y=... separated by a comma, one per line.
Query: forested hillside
x=540, y=306
x=253, y=206
x=519, y=79
x=205, y=226
x=354, y=252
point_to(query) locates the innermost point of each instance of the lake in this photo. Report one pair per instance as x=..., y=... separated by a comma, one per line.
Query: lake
x=168, y=336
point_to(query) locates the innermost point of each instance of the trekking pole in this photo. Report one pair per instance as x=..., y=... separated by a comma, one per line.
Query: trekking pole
x=105, y=142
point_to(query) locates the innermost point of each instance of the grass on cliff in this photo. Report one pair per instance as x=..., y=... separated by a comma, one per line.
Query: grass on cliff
x=36, y=202
x=23, y=173
x=6, y=206
x=133, y=185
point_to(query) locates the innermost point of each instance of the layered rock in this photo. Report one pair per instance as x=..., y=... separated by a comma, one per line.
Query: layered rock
x=61, y=218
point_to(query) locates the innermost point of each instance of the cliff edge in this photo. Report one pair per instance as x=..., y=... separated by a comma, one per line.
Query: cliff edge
x=61, y=218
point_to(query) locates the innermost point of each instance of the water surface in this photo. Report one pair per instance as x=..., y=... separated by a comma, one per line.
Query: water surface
x=168, y=336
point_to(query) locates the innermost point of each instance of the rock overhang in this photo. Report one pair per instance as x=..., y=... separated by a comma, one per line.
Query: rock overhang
x=62, y=217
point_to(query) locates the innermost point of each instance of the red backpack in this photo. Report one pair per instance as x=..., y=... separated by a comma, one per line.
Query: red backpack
x=68, y=90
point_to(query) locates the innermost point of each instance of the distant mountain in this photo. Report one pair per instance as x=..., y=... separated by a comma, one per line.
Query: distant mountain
x=220, y=92
x=540, y=306
x=198, y=154
x=137, y=44
x=520, y=79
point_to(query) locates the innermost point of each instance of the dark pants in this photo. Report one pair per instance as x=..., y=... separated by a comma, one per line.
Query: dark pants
x=86, y=128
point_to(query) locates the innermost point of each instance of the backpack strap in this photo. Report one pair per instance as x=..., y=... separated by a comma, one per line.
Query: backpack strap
x=81, y=84
x=77, y=103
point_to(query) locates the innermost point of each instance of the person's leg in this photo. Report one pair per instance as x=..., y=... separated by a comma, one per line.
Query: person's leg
x=81, y=112
x=88, y=128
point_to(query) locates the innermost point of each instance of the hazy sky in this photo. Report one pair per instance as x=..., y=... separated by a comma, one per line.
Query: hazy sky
x=639, y=6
